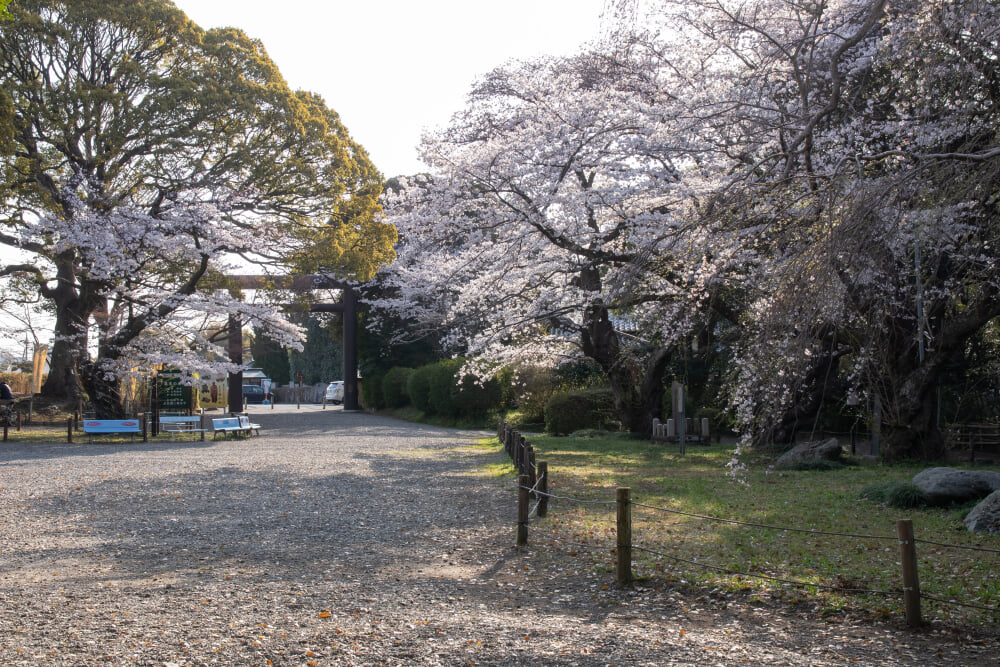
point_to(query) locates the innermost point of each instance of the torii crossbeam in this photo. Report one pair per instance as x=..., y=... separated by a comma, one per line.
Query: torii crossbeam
x=348, y=306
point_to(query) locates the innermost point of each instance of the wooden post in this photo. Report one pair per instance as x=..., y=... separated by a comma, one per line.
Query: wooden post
x=352, y=397
x=876, y=426
x=5, y=430
x=154, y=401
x=69, y=430
x=522, y=510
x=543, y=488
x=623, y=564
x=145, y=426
x=532, y=470
x=18, y=421
x=235, y=345
x=911, y=582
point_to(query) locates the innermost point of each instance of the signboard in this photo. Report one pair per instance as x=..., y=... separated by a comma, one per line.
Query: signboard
x=213, y=393
x=173, y=396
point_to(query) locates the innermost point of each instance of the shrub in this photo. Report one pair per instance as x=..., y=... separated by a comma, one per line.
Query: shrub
x=899, y=494
x=371, y=393
x=905, y=495
x=581, y=409
x=472, y=398
x=441, y=388
x=394, y=387
x=532, y=387
x=418, y=387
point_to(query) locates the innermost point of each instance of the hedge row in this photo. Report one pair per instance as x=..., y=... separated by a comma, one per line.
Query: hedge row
x=440, y=389
x=435, y=389
x=581, y=409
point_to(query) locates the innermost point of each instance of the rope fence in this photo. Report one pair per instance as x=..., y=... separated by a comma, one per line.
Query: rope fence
x=533, y=483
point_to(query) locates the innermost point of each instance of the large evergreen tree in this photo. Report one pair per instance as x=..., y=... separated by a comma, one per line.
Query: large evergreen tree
x=146, y=152
x=322, y=356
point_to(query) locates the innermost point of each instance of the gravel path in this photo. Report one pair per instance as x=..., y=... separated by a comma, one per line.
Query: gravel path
x=350, y=539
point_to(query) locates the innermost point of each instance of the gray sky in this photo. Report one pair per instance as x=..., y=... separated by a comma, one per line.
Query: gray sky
x=392, y=68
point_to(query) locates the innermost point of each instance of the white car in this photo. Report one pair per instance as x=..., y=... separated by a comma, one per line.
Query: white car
x=335, y=392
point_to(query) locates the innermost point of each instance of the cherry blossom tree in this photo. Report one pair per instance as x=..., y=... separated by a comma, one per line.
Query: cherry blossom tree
x=820, y=176
x=151, y=157
x=866, y=183
x=559, y=178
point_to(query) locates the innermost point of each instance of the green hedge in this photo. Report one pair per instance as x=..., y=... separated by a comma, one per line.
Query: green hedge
x=394, y=383
x=371, y=393
x=435, y=389
x=418, y=388
x=442, y=384
x=581, y=409
x=472, y=398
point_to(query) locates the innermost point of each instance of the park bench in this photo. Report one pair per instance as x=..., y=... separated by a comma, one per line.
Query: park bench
x=175, y=425
x=249, y=425
x=981, y=441
x=227, y=425
x=94, y=427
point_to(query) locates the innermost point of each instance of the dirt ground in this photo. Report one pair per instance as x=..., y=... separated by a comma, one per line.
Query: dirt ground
x=350, y=539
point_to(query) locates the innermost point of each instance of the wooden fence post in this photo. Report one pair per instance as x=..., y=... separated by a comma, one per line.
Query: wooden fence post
x=145, y=427
x=18, y=421
x=69, y=430
x=623, y=564
x=532, y=470
x=911, y=582
x=522, y=510
x=5, y=430
x=543, y=488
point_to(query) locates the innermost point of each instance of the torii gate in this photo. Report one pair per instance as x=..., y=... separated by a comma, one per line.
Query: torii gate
x=348, y=306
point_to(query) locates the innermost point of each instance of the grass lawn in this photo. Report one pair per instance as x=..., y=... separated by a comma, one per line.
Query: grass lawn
x=691, y=551
x=50, y=435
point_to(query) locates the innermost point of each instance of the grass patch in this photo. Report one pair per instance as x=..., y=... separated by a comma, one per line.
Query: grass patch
x=848, y=500
x=899, y=494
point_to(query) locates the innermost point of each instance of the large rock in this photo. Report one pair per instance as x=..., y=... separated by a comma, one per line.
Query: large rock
x=942, y=486
x=810, y=452
x=985, y=517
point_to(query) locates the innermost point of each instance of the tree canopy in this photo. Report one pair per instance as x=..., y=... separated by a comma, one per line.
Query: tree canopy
x=776, y=172
x=152, y=157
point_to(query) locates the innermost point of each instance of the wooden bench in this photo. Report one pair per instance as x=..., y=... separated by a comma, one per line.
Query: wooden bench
x=94, y=427
x=981, y=441
x=227, y=425
x=175, y=425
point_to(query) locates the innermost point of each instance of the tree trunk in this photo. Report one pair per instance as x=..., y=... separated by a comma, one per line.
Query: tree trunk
x=909, y=425
x=105, y=393
x=638, y=391
x=68, y=348
x=822, y=385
